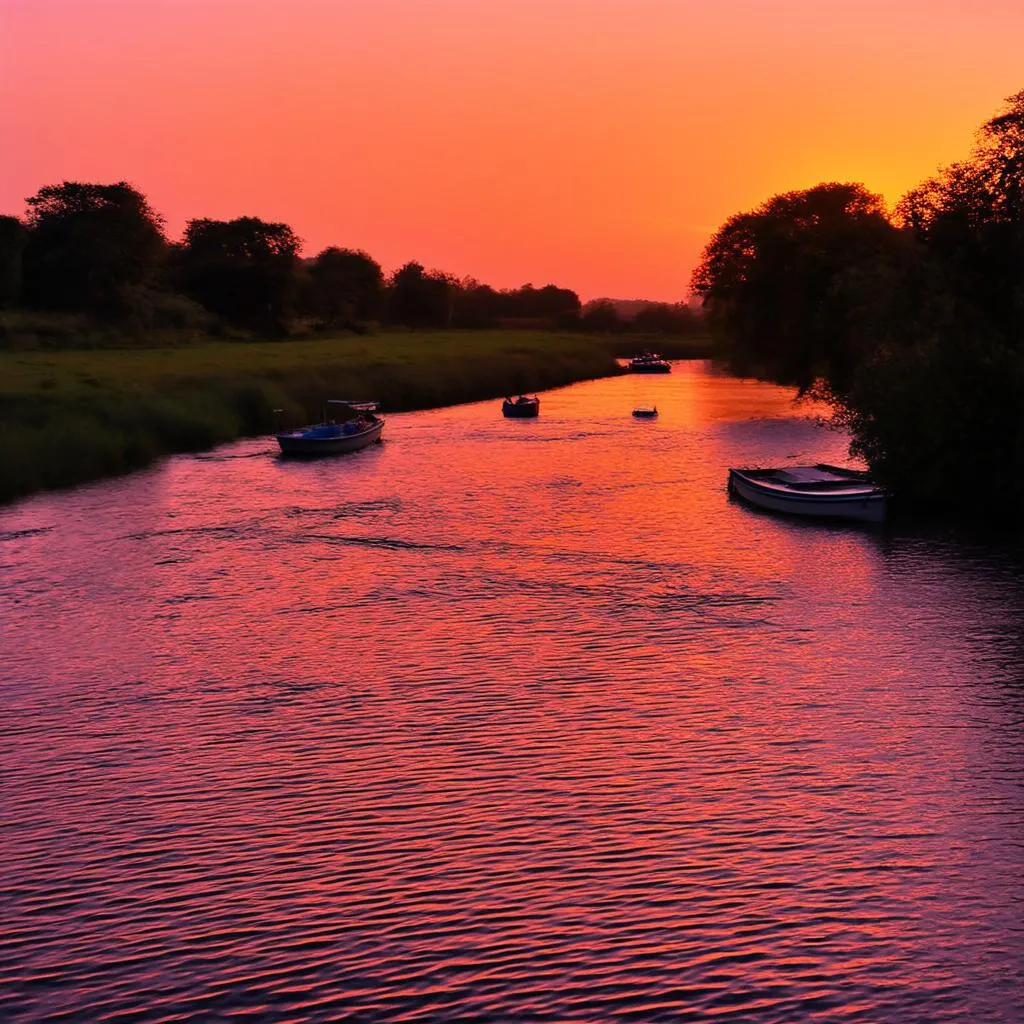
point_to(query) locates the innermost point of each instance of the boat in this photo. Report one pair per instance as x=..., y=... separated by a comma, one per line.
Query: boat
x=822, y=491
x=649, y=362
x=645, y=412
x=521, y=407
x=351, y=426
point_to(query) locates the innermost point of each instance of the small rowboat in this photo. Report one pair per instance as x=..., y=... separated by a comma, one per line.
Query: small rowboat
x=523, y=407
x=646, y=412
x=822, y=491
x=352, y=426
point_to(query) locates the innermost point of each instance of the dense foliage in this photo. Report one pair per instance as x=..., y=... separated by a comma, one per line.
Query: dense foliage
x=345, y=288
x=101, y=251
x=246, y=270
x=777, y=281
x=88, y=246
x=911, y=326
x=13, y=236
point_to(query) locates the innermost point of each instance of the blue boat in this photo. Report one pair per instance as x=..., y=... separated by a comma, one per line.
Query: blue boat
x=353, y=425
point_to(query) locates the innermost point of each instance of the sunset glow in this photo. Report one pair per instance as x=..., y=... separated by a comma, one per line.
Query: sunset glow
x=591, y=143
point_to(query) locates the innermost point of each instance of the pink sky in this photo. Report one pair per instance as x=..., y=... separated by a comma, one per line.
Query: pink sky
x=595, y=144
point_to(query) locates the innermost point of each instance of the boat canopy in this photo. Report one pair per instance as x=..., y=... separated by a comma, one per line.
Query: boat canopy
x=358, y=406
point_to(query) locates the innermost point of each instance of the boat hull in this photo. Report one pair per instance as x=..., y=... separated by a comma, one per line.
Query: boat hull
x=524, y=411
x=650, y=368
x=298, y=445
x=866, y=506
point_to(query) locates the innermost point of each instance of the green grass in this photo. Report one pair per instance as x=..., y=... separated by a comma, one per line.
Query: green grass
x=71, y=416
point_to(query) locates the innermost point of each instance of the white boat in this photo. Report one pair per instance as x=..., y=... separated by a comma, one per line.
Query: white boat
x=821, y=491
x=353, y=425
x=646, y=412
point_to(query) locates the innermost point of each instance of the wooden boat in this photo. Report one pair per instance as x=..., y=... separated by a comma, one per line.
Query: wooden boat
x=522, y=407
x=352, y=425
x=649, y=362
x=822, y=491
x=646, y=412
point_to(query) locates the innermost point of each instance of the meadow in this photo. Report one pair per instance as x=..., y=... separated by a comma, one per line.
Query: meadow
x=68, y=416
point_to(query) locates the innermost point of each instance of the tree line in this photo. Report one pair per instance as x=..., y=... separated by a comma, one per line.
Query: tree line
x=909, y=322
x=101, y=250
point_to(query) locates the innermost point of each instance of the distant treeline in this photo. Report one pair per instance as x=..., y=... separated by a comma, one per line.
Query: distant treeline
x=911, y=323
x=101, y=251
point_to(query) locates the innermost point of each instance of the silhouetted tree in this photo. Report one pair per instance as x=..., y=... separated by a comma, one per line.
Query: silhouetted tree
x=475, y=305
x=915, y=332
x=89, y=245
x=346, y=287
x=663, y=318
x=772, y=280
x=971, y=220
x=550, y=302
x=420, y=298
x=936, y=405
x=601, y=316
x=548, y=306
x=559, y=302
x=13, y=237
x=245, y=270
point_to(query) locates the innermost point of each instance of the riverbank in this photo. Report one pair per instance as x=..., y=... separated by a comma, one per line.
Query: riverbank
x=67, y=417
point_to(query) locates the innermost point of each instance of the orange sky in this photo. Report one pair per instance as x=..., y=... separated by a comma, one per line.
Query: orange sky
x=591, y=143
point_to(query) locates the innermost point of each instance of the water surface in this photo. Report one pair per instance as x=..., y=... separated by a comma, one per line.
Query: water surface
x=506, y=720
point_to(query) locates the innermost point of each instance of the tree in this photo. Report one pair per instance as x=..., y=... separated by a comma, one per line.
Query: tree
x=89, y=245
x=346, y=287
x=558, y=303
x=664, y=318
x=245, y=270
x=773, y=281
x=970, y=218
x=600, y=316
x=935, y=404
x=476, y=305
x=549, y=302
x=13, y=236
x=935, y=410
x=420, y=298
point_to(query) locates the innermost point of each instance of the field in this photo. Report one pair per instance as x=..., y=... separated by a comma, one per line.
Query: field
x=76, y=415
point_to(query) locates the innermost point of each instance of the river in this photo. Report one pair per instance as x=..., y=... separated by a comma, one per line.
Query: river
x=507, y=721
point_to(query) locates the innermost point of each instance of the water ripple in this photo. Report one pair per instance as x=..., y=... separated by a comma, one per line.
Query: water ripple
x=557, y=734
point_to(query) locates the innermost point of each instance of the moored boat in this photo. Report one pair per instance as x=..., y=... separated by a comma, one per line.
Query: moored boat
x=646, y=412
x=522, y=407
x=353, y=425
x=649, y=362
x=821, y=491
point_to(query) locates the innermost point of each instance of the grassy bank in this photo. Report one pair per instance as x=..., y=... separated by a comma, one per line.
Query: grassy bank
x=71, y=416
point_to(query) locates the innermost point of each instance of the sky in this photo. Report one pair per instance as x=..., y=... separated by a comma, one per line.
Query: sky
x=594, y=144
